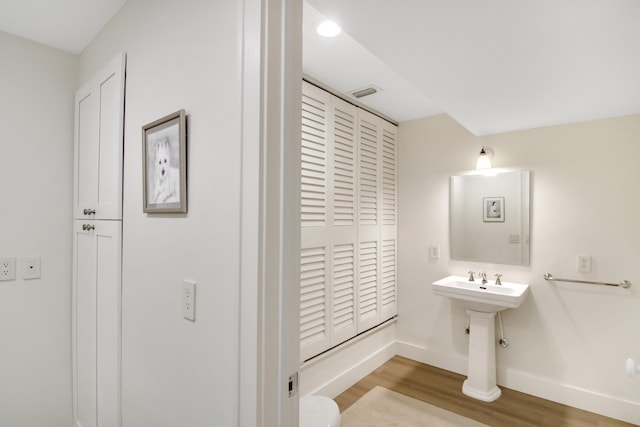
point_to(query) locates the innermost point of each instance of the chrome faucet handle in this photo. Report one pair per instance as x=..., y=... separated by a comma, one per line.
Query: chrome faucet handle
x=471, y=278
x=498, y=281
x=483, y=274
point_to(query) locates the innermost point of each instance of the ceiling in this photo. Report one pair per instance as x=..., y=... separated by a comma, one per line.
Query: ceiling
x=69, y=25
x=493, y=65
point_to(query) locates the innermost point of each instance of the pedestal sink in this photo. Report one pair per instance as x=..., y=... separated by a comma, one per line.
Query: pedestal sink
x=482, y=302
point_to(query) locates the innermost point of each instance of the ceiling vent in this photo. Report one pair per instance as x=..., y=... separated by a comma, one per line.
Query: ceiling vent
x=369, y=90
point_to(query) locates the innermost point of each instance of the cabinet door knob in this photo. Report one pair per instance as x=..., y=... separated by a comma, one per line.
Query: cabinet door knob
x=88, y=227
x=89, y=211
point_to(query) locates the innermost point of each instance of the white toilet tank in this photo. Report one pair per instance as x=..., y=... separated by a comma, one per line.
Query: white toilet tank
x=319, y=411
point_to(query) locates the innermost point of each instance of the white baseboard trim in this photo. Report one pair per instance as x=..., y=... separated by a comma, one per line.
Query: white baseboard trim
x=544, y=388
x=445, y=361
x=354, y=373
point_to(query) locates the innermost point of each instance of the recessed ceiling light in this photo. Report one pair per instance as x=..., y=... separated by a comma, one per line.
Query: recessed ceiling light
x=328, y=29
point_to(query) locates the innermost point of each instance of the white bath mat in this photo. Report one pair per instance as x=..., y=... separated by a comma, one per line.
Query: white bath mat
x=381, y=407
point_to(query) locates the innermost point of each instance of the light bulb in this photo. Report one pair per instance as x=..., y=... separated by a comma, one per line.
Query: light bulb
x=328, y=29
x=483, y=160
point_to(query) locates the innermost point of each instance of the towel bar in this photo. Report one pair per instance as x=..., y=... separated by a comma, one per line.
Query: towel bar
x=624, y=284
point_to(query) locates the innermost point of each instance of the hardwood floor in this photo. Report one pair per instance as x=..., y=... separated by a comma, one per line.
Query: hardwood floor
x=444, y=389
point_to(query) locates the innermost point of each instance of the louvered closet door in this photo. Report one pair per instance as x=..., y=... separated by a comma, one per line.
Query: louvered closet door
x=349, y=214
x=343, y=219
x=328, y=210
x=388, y=228
x=315, y=244
x=369, y=217
x=377, y=220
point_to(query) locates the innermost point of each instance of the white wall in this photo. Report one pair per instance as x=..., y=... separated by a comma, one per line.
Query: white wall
x=180, y=55
x=568, y=342
x=37, y=86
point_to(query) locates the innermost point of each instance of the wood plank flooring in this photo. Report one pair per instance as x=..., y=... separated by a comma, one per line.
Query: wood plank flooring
x=444, y=389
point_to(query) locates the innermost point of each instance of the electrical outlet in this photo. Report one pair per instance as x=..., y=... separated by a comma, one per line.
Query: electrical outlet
x=31, y=268
x=584, y=264
x=189, y=300
x=7, y=268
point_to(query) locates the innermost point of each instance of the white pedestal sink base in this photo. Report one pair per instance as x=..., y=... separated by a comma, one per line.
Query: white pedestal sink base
x=485, y=396
x=481, y=381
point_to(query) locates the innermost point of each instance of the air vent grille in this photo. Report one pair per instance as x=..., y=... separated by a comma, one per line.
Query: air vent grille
x=359, y=93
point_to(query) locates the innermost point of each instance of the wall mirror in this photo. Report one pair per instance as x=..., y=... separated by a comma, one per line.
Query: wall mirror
x=489, y=218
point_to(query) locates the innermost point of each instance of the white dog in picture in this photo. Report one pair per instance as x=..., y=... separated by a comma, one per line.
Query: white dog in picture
x=167, y=181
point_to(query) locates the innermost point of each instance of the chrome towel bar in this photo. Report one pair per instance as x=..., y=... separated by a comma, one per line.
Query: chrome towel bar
x=624, y=284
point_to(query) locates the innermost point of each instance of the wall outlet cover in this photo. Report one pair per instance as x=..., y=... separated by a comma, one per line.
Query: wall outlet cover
x=31, y=268
x=7, y=269
x=434, y=252
x=584, y=263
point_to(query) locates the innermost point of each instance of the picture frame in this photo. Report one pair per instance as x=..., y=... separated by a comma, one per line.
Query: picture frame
x=493, y=209
x=164, y=164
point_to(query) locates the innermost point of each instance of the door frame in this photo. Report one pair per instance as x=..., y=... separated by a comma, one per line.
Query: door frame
x=270, y=222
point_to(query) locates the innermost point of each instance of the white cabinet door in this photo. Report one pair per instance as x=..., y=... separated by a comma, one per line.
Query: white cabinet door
x=98, y=143
x=96, y=322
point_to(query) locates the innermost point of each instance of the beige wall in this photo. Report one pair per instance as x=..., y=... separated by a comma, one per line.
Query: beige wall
x=186, y=55
x=567, y=342
x=37, y=86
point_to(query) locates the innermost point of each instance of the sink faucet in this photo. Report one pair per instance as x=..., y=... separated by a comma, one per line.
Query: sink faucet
x=498, y=276
x=483, y=274
x=471, y=278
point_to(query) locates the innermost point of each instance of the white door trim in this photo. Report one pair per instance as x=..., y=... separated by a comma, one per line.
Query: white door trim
x=270, y=233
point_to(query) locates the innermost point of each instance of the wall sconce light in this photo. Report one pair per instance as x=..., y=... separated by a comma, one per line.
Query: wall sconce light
x=484, y=159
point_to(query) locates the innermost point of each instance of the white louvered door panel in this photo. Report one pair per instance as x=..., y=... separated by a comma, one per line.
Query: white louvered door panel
x=315, y=243
x=344, y=163
x=389, y=176
x=368, y=285
x=388, y=227
x=328, y=193
x=368, y=142
x=369, y=189
x=315, y=108
x=344, y=303
x=314, y=304
x=388, y=279
x=344, y=231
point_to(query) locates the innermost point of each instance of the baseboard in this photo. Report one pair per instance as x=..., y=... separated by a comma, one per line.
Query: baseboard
x=348, y=365
x=453, y=363
x=570, y=395
x=545, y=388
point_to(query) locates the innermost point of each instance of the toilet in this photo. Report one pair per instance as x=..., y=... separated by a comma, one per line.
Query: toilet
x=319, y=411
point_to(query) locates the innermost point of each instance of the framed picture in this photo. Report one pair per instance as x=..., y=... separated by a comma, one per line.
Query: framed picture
x=164, y=165
x=493, y=209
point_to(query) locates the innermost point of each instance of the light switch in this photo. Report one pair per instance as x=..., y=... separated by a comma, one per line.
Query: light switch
x=189, y=300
